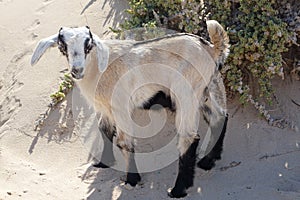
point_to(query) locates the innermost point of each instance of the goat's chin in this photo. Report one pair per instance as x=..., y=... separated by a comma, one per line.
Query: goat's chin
x=77, y=77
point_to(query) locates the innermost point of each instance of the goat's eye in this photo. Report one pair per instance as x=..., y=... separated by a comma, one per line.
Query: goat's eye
x=87, y=45
x=62, y=46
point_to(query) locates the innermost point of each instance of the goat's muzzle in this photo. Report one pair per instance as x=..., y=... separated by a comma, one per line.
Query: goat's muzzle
x=77, y=72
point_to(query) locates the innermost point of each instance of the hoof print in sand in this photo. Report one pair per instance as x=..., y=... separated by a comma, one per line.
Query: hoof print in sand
x=7, y=108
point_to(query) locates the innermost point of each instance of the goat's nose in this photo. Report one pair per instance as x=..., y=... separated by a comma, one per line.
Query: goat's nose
x=76, y=72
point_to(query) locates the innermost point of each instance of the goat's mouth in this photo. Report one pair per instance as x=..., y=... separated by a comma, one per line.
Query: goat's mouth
x=77, y=76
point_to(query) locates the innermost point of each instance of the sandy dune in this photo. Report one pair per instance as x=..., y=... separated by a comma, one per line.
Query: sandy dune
x=259, y=161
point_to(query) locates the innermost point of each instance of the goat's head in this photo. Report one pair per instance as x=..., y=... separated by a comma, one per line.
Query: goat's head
x=75, y=44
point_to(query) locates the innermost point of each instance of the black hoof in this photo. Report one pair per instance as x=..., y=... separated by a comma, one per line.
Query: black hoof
x=176, y=194
x=206, y=163
x=133, y=179
x=102, y=165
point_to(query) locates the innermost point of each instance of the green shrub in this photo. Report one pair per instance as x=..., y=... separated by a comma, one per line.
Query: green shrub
x=257, y=54
x=65, y=86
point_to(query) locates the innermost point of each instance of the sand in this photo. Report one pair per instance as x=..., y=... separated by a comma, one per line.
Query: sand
x=259, y=161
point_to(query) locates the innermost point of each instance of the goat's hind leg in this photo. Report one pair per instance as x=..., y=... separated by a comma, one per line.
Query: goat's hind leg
x=218, y=130
x=186, y=167
x=214, y=112
x=187, y=125
x=107, y=131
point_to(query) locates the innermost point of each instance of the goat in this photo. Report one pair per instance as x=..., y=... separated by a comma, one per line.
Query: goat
x=179, y=71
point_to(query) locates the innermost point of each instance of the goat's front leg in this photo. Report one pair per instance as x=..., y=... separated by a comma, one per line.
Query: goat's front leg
x=125, y=143
x=108, y=131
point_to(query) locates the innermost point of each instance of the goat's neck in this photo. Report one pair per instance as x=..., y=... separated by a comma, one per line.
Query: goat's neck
x=89, y=82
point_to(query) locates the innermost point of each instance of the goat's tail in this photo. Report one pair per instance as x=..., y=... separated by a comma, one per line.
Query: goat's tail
x=220, y=40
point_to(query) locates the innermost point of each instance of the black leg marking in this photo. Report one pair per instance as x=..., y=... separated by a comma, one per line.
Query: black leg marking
x=132, y=176
x=108, y=132
x=208, y=161
x=185, y=177
x=161, y=99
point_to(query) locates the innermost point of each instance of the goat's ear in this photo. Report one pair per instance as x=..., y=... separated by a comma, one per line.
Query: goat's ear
x=42, y=46
x=102, y=52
